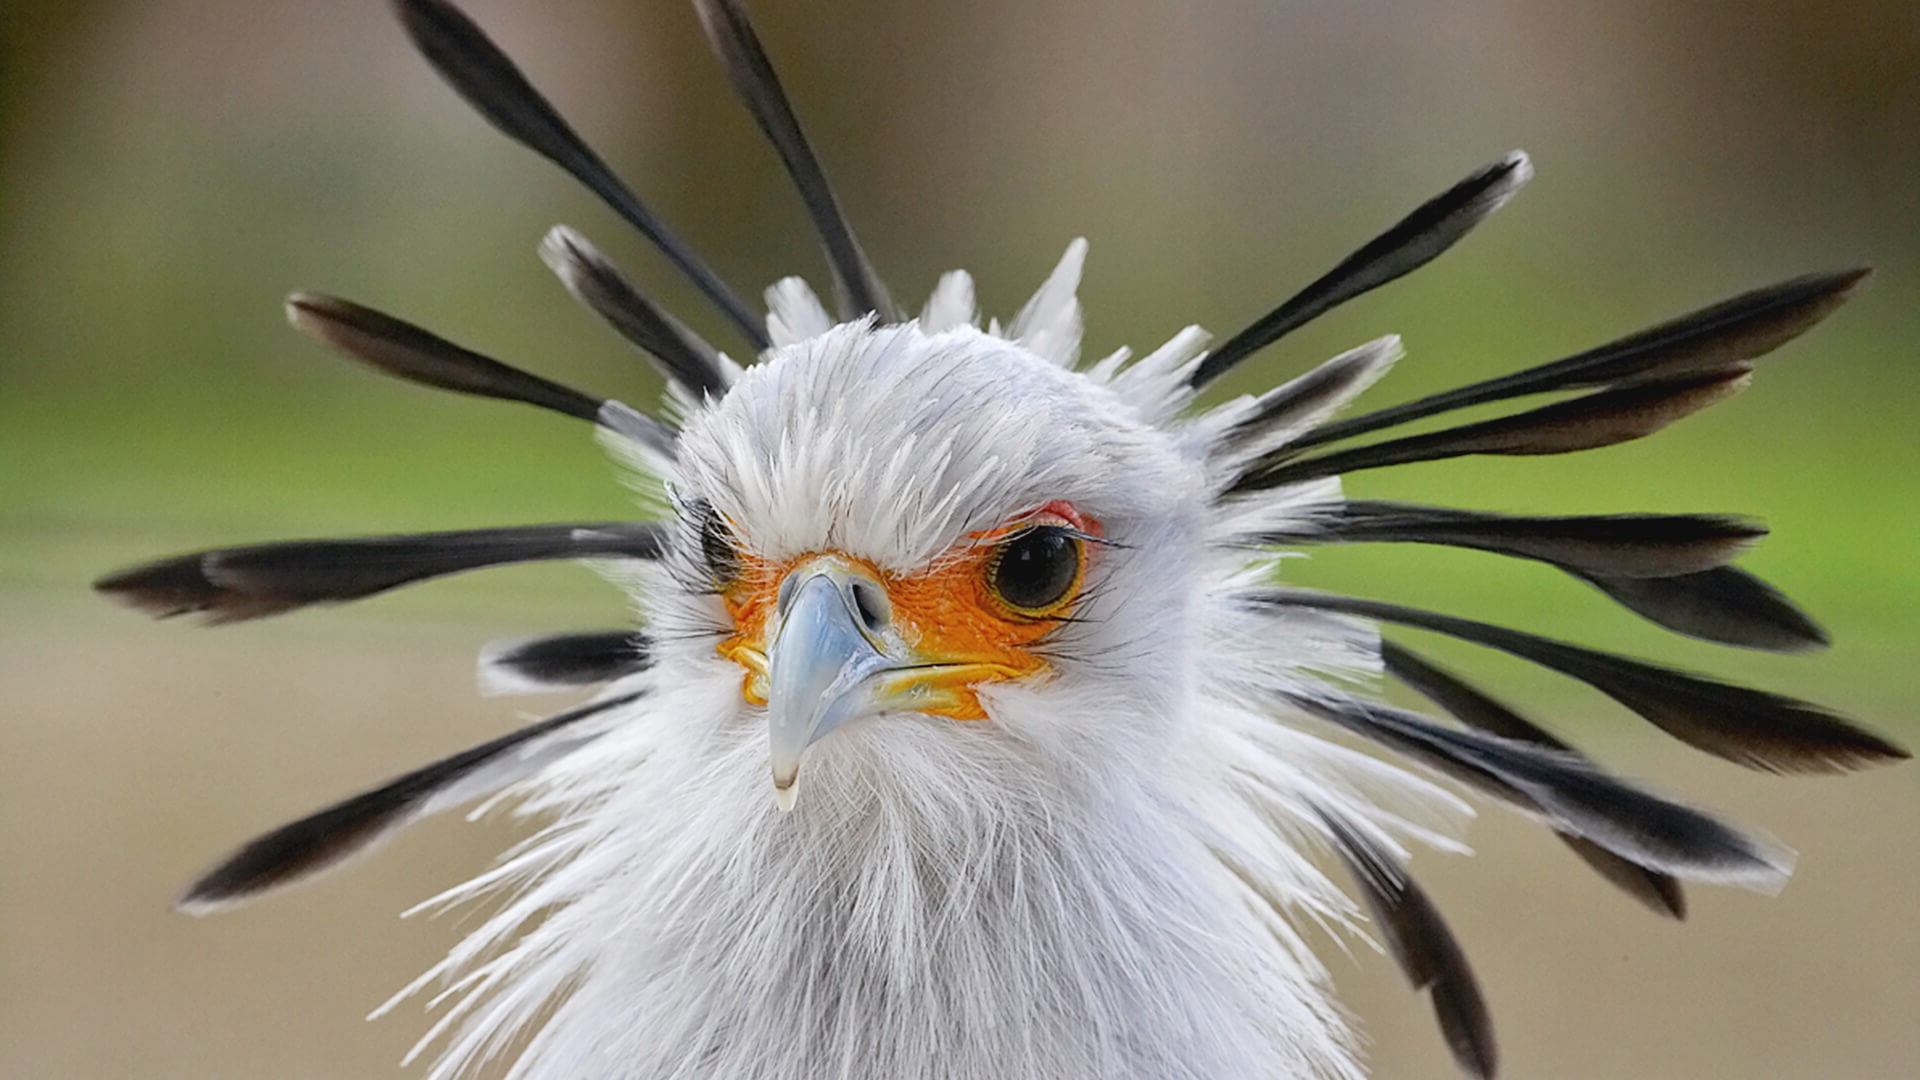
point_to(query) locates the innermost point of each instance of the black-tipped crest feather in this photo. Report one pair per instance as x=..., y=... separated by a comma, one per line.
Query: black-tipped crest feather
x=1660, y=892
x=750, y=72
x=593, y=279
x=1730, y=332
x=321, y=841
x=1750, y=727
x=1568, y=793
x=1585, y=423
x=1308, y=398
x=1726, y=605
x=562, y=661
x=405, y=351
x=251, y=582
x=490, y=82
x=1413, y=241
x=1620, y=545
x=1422, y=944
x=1668, y=568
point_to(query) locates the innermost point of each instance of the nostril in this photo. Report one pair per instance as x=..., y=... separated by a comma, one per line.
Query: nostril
x=784, y=597
x=870, y=601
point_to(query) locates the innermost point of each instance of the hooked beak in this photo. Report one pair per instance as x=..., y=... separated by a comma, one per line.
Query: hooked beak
x=821, y=663
x=835, y=655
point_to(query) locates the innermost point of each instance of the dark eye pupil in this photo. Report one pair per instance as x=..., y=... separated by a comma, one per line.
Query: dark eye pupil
x=1037, y=567
x=716, y=546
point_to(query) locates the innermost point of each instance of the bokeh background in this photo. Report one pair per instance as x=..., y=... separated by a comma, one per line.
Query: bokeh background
x=170, y=169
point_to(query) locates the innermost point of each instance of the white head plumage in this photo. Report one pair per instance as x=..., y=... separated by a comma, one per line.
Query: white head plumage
x=1015, y=617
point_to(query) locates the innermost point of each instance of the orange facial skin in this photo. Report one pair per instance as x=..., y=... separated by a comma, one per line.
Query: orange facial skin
x=947, y=613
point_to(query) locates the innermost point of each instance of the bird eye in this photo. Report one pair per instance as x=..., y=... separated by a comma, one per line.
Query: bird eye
x=1037, y=569
x=717, y=547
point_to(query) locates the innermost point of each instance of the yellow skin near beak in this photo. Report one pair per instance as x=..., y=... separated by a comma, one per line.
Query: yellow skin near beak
x=828, y=638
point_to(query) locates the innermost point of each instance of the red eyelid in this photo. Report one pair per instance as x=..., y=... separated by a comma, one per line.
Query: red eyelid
x=1059, y=511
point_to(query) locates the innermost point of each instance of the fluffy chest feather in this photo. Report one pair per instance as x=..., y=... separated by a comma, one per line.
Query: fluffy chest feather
x=895, y=924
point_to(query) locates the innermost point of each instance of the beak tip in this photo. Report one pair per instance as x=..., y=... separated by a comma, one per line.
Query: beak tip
x=785, y=795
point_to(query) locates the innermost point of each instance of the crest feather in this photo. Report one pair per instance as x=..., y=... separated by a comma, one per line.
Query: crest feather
x=1049, y=326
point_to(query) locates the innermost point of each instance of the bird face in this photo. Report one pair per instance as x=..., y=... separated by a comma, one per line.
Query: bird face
x=873, y=555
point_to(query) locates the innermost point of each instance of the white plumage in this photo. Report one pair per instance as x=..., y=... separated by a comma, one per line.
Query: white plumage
x=1006, y=632
x=1076, y=887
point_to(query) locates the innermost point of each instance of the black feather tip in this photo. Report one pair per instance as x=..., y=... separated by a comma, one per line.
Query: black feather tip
x=1660, y=892
x=240, y=583
x=738, y=49
x=563, y=661
x=600, y=286
x=1411, y=243
x=1754, y=728
x=318, y=842
x=489, y=81
x=1422, y=945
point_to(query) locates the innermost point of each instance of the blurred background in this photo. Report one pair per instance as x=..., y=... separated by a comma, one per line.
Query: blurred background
x=170, y=169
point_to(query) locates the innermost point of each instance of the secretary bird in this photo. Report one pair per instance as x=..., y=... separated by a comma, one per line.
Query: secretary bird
x=969, y=728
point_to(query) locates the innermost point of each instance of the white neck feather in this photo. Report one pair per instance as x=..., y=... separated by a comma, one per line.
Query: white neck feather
x=933, y=908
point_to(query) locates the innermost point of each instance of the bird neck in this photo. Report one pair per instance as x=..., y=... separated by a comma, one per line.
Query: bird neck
x=899, y=924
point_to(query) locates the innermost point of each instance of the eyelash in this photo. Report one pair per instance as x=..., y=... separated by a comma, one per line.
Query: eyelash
x=707, y=527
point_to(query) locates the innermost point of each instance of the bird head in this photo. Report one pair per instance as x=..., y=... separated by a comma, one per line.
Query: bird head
x=948, y=530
